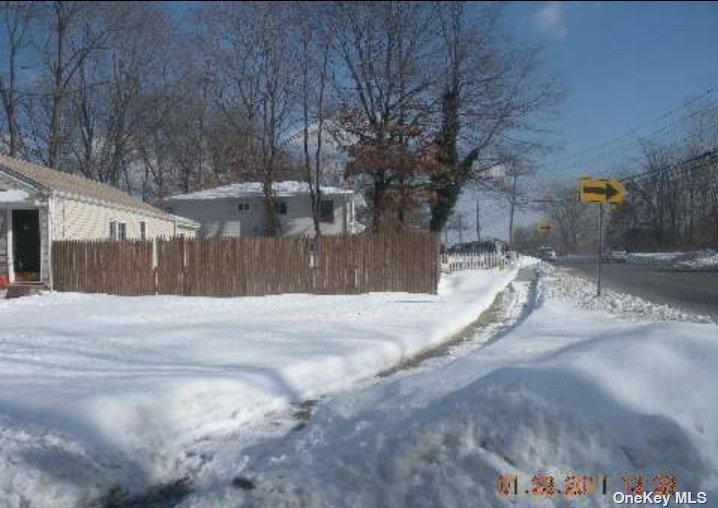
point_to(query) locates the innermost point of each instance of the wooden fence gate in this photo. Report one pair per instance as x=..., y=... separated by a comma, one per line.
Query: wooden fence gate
x=389, y=261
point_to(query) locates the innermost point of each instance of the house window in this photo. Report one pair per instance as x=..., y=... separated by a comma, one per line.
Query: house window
x=143, y=230
x=243, y=207
x=118, y=230
x=280, y=207
x=326, y=211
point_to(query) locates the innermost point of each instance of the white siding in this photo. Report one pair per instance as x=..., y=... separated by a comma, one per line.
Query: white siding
x=76, y=219
x=218, y=218
x=3, y=242
x=221, y=218
x=44, y=247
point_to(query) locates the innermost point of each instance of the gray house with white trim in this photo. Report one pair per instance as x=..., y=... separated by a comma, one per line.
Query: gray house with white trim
x=237, y=210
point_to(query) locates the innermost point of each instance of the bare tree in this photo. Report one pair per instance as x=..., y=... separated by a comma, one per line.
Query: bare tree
x=121, y=97
x=567, y=216
x=385, y=106
x=254, y=58
x=491, y=91
x=16, y=19
x=316, y=34
x=72, y=38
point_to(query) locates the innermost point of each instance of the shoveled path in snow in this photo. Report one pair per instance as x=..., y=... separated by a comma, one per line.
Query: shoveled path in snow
x=566, y=390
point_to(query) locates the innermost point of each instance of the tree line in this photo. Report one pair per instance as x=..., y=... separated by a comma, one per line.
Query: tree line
x=417, y=99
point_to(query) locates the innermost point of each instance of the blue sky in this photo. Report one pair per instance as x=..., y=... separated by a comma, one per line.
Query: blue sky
x=623, y=63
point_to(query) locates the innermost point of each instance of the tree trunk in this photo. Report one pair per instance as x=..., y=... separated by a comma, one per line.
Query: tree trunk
x=53, y=155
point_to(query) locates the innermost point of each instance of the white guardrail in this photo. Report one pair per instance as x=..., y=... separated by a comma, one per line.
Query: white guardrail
x=477, y=261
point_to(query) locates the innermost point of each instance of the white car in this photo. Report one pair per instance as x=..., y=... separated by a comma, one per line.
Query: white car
x=616, y=256
x=548, y=254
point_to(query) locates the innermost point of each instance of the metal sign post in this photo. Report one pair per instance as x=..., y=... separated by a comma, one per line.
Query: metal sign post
x=600, y=249
x=600, y=190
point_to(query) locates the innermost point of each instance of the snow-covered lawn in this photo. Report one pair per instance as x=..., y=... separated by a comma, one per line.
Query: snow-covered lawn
x=99, y=389
x=568, y=390
x=141, y=391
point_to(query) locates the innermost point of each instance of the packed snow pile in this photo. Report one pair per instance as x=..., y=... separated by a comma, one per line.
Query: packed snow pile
x=701, y=260
x=653, y=258
x=100, y=389
x=583, y=293
x=568, y=391
x=706, y=259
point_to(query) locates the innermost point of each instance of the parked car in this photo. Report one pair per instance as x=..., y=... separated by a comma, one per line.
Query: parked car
x=616, y=256
x=547, y=254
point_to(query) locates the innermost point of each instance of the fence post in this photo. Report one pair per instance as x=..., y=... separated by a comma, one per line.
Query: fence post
x=155, y=264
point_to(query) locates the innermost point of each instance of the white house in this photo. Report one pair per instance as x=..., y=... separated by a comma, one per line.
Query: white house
x=39, y=205
x=237, y=210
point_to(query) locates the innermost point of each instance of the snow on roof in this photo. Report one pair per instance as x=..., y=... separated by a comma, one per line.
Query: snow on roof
x=13, y=196
x=184, y=221
x=237, y=190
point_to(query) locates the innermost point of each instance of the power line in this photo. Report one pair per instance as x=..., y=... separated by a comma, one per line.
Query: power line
x=602, y=148
x=662, y=127
x=681, y=166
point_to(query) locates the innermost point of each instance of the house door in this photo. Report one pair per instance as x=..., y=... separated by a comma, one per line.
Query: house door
x=26, y=245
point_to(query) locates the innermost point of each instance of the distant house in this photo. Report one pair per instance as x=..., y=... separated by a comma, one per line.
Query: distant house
x=39, y=205
x=238, y=210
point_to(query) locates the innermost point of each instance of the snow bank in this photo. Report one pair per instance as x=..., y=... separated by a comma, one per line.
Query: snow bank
x=582, y=292
x=701, y=260
x=698, y=260
x=99, y=389
x=644, y=258
x=567, y=391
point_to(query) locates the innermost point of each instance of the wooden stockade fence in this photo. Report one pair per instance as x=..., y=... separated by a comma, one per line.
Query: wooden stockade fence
x=96, y=266
x=391, y=261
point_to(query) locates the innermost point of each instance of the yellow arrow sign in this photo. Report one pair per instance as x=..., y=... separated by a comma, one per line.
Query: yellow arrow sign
x=592, y=190
x=615, y=191
x=544, y=228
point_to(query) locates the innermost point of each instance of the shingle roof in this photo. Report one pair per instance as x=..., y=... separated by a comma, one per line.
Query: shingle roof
x=78, y=185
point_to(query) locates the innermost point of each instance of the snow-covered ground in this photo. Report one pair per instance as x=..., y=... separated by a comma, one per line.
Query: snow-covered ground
x=567, y=390
x=99, y=390
x=271, y=401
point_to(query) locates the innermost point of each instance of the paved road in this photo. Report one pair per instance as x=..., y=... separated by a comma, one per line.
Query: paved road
x=693, y=291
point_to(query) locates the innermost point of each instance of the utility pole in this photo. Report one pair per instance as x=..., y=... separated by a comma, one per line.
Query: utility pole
x=600, y=249
x=478, y=223
x=512, y=200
